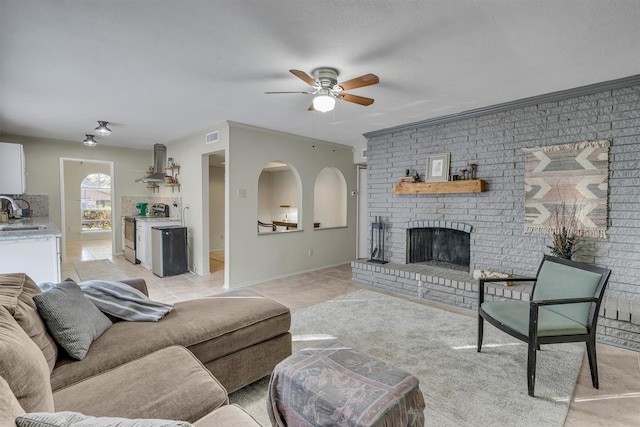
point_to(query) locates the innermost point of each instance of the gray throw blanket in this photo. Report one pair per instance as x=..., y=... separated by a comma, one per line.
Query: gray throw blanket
x=123, y=301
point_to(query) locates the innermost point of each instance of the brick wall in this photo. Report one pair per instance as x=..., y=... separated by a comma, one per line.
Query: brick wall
x=494, y=141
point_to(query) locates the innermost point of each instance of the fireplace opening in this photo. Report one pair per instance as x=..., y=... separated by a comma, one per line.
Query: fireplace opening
x=440, y=246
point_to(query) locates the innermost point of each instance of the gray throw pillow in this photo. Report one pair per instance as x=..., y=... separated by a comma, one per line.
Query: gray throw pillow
x=76, y=419
x=73, y=320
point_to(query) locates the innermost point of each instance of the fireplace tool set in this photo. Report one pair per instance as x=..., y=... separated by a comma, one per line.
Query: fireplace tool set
x=377, y=242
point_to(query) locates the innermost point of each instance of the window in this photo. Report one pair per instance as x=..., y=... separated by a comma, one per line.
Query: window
x=95, y=202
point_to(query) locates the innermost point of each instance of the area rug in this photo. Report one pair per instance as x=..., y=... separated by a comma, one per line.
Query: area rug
x=461, y=387
x=570, y=179
x=102, y=269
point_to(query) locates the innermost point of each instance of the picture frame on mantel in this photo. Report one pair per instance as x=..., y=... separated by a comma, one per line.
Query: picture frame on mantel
x=438, y=167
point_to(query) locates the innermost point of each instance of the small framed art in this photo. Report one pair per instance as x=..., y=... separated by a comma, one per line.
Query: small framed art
x=438, y=167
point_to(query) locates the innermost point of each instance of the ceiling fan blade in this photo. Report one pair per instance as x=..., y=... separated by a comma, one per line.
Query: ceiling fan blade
x=304, y=77
x=366, y=80
x=355, y=99
x=311, y=107
x=305, y=93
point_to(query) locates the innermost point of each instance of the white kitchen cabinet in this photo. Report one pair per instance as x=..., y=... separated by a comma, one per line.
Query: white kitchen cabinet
x=13, y=170
x=144, y=249
x=38, y=257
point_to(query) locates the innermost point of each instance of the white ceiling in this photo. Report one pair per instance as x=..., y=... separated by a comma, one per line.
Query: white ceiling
x=161, y=70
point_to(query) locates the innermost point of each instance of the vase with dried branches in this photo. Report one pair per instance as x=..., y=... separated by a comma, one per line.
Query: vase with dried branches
x=564, y=241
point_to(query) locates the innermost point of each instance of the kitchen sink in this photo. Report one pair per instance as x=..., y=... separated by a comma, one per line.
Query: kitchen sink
x=22, y=227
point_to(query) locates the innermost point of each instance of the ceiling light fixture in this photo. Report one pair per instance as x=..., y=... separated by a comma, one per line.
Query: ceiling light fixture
x=89, y=141
x=324, y=101
x=102, y=129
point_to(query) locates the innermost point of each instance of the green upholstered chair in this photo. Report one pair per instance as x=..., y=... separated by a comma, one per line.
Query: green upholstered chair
x=564, y=307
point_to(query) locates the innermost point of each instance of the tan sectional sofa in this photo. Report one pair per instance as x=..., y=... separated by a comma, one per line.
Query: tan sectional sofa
x=142, y=369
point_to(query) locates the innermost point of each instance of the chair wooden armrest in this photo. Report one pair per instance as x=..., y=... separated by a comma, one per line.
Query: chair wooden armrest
x=507, y=279
x=563, y=301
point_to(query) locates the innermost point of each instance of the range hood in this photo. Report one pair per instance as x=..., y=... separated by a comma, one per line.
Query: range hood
x=159, y=163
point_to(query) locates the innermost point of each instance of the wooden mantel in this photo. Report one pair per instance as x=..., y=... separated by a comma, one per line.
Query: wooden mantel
x=440, y=187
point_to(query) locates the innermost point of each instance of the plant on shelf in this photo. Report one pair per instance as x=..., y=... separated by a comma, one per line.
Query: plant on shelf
x=564, y=241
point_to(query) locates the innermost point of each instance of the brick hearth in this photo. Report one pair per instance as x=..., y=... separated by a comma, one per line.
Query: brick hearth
x=455, y=288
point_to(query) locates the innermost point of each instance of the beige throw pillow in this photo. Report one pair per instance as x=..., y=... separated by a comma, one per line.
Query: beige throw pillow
x=9, y=406
x=17, y=291
x=23, y=366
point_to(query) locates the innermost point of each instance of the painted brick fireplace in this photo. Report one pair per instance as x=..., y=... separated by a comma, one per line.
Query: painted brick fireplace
x=494, y=138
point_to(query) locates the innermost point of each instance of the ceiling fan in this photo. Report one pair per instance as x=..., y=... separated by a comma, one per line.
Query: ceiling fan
x=327, y=89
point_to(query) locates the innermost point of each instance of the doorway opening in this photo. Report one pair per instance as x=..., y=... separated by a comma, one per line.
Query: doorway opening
x=85, y=205
x=217, y=171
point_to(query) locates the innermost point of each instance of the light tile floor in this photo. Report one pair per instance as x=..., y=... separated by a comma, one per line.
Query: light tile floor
x=616, y=403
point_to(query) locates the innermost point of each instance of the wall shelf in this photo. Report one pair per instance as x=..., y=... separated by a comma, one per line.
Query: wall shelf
x=440, y=187
x=173, y=186
x=173, y=170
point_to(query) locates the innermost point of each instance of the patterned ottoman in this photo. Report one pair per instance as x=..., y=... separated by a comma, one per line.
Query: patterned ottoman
x=333, y=385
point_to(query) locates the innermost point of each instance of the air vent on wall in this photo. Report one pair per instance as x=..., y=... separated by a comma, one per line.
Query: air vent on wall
x=211, y=137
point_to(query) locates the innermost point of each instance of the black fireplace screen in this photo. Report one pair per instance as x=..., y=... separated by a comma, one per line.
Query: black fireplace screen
x=439, y=245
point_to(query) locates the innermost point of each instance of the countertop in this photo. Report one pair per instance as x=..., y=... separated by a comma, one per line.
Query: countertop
x=155, y=218
x=51, y=229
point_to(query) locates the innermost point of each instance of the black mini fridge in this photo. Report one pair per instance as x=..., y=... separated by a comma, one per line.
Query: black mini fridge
x=169, y=250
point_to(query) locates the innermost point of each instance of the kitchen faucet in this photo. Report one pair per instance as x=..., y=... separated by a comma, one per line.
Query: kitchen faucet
x=13, y=203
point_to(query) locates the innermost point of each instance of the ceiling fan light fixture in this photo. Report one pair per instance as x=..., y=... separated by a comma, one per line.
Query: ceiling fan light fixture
x=89, y=141
x=324, y=101
x=102, y=129
x=327, y=89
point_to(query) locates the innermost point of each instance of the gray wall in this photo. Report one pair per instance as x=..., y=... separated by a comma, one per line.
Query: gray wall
x=494, y=141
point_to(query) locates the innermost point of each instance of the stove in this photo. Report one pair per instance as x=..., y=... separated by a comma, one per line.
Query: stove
x=130, y=239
